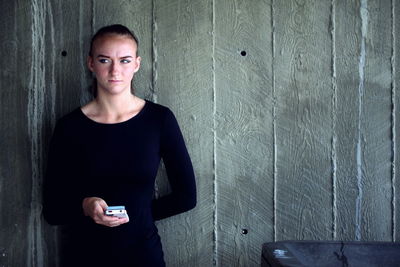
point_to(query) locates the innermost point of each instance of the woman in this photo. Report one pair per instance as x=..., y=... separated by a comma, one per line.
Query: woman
x=107, y=153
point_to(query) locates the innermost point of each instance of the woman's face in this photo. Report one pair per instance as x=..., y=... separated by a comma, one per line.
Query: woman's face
x=114, y=62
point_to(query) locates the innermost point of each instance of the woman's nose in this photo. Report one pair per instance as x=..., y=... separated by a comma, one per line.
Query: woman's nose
x=114, y=68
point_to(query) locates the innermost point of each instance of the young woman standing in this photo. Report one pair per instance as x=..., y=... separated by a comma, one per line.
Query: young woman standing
x=107, y=153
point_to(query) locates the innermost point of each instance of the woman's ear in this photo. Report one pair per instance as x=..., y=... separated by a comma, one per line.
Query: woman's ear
x=90, y=63
x=137, y=60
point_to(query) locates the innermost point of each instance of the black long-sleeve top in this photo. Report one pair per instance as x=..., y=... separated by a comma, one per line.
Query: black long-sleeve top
x=118, y=163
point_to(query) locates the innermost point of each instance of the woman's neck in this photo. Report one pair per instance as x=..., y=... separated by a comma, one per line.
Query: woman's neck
x=113, y=109
x=115, y=104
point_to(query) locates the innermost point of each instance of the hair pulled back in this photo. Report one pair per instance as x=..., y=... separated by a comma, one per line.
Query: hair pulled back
x=117, y=29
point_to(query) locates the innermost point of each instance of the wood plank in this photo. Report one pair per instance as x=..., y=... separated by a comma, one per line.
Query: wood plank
x=346, y=44
x=302, y=67
x=15, y=161
x=396, y=117
x=376, y=146
x=244, y=131
x=183, y=81
x=27, y=239
x=68, y=43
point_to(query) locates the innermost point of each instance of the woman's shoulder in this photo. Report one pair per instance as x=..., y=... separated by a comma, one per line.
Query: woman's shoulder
x=72, y=115
x=157, y=109
x=155, y=106
x=70, y=119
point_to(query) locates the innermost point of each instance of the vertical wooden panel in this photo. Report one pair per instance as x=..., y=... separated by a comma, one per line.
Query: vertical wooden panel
x=68, y=47
x=346, y=29
x=26, y=89
x=376, y=122
x=244, y=131
x=302, y=67
x=35, y=120
x=396, y=115
x=183, y=82
x=15, y=159
x=136, y=15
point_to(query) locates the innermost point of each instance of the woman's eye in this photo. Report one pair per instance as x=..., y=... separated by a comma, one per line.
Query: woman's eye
x=125, y=61
x=103, y=60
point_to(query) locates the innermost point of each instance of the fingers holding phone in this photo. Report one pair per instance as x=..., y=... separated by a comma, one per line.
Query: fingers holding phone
x=117, y=212
x=113, y=221
x=96, y=208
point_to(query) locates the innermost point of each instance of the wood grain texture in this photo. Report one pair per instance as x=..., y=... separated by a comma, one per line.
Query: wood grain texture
x=290, y=111
x=303, y=119
x=15, y=159
x=346, y=30
x=183, y=82
x=68, y=46
x=396, y=117
x=25, y=92
x=244, y=131
x=376, y=205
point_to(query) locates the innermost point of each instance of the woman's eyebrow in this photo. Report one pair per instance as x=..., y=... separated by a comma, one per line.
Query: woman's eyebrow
x=109, y=57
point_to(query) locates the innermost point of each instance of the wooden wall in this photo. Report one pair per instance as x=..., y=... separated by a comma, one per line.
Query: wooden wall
x=290, y=110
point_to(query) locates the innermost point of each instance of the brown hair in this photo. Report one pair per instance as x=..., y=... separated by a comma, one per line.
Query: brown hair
x=116, y=29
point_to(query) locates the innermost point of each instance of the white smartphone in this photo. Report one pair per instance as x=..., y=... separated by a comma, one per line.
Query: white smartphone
x=117, y=211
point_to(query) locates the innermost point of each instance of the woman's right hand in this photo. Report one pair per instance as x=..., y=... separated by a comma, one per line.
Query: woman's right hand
x=95, y=207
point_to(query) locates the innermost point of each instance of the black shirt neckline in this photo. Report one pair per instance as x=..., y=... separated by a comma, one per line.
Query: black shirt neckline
x=134, y=117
